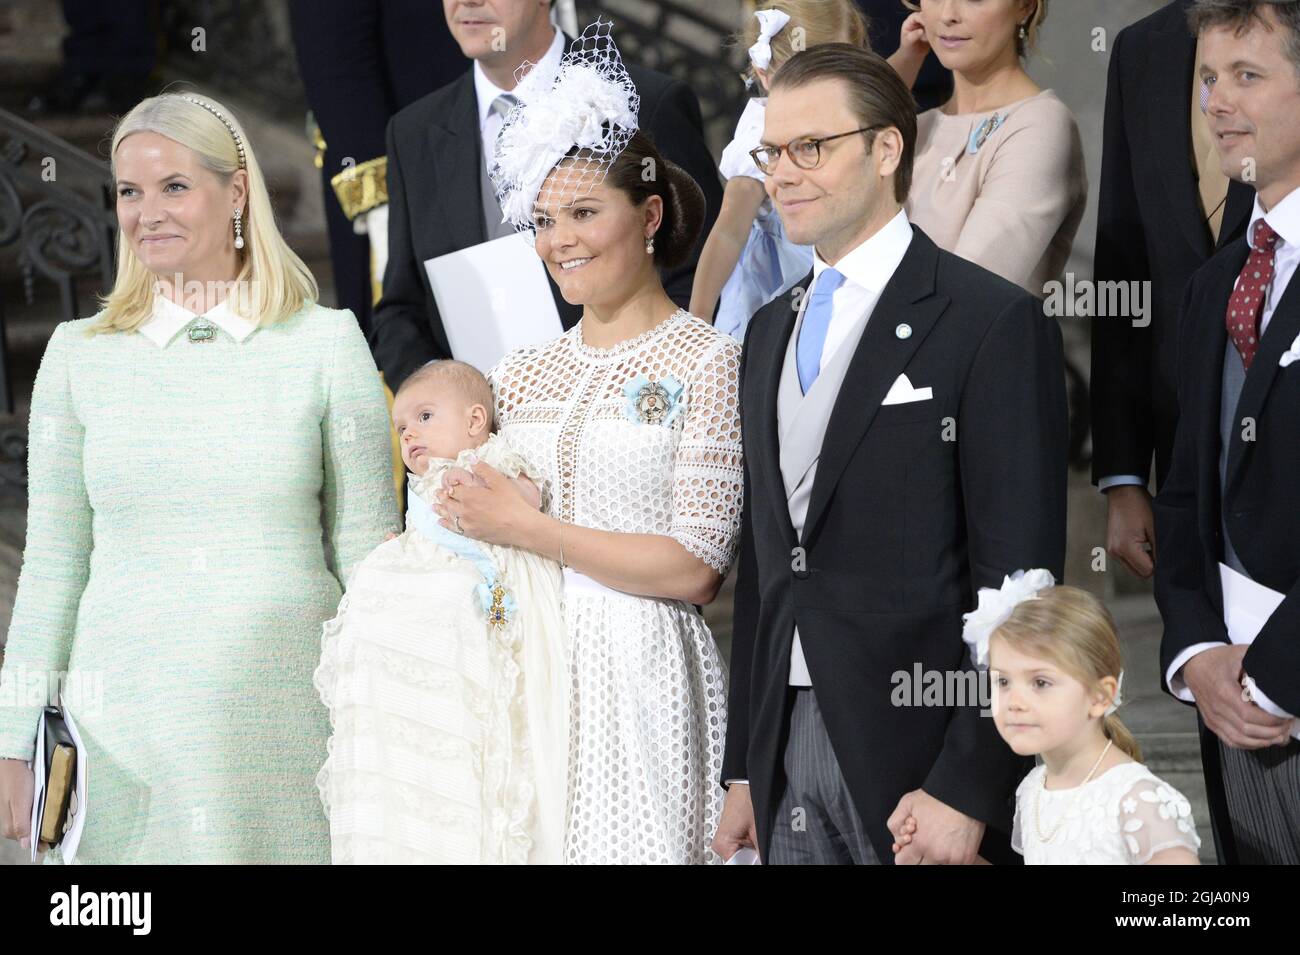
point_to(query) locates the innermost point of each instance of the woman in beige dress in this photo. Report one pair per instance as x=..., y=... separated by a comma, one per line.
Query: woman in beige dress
x=999, y=176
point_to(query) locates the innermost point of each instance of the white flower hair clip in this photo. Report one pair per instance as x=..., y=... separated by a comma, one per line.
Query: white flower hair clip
x=770, y=23
x=588, y=104
x=996, y=606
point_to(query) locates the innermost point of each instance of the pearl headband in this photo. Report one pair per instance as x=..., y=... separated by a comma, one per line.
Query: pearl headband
x=239, y=143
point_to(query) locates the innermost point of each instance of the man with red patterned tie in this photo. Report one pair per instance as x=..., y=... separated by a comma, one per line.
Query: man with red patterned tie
x=1228, y=580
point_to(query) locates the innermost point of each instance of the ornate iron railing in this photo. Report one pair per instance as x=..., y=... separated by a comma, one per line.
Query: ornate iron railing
x=56, y=209
x=56, y=204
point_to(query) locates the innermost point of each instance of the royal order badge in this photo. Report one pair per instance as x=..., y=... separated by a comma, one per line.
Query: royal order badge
x=653, y=402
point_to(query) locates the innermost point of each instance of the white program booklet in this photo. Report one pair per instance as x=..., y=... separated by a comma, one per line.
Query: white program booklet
x=493, y=298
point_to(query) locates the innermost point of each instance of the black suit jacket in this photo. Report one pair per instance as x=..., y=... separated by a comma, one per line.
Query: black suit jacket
x=1262, y=518
x=435, y=206
x=902, y=529
x=1149, y=229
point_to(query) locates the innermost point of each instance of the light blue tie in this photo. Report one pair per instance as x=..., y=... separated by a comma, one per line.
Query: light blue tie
x=812, y=335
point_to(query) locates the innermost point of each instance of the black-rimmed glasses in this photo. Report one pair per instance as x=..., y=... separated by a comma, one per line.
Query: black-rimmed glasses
x=805, y=152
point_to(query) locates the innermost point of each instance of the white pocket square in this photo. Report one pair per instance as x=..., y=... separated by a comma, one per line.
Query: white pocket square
x=901, y=392
x=1291, y=354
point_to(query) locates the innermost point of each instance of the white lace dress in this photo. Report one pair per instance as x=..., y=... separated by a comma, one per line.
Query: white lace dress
x=640, y=438
x=1123, y=817
x=450, y=733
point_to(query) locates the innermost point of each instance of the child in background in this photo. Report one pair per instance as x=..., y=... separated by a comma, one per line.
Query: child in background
x=747, y=260
x=1054, y=658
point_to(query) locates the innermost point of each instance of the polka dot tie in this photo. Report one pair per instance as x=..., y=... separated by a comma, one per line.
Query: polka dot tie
x=1252, y=288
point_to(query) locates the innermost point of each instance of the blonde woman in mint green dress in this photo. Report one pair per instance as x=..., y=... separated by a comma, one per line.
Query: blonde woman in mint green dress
x=209, y=457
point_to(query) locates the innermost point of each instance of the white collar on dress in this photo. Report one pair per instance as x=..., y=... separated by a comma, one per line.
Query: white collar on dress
x=486, y=91
x=871, y=264
x=169, y=318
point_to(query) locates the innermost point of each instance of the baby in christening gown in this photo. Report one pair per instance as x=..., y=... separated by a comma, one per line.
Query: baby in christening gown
x=444, y=670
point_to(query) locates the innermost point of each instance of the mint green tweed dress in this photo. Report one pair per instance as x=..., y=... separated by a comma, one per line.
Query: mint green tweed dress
x=194, y=511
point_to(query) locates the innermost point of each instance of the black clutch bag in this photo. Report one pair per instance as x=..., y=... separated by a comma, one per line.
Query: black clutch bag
x=60, y=761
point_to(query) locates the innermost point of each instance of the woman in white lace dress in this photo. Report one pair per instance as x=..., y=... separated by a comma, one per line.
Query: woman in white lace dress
x=1054, y=658
x=632, y=420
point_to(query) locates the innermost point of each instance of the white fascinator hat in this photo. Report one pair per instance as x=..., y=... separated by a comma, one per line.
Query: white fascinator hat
x=585, y=110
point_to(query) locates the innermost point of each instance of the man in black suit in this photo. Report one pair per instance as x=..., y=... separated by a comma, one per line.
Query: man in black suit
x=1226, y=517
x=361, y=61
x=1164, y=207
x=905, y=444
x=440, y=197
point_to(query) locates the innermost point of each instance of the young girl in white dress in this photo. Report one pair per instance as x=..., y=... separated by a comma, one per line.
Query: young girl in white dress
x=444, y=670
x=1054, y=659
x=747, y=260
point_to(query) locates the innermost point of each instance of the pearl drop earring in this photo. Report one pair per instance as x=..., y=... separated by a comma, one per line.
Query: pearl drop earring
x=239, y=228
x=1023, y=32
x=650, y=245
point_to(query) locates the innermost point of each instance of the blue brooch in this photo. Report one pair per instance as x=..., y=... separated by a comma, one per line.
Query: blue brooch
x=653, y=402
x=983, y=131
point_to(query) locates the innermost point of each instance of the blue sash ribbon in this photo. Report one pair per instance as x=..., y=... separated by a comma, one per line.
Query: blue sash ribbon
x=497, y=603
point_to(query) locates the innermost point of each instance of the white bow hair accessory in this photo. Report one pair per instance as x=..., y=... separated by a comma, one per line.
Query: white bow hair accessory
x=1291, y=354
x=995, y=608
x=1118, y=701
x=589, y=103
x=770, y=23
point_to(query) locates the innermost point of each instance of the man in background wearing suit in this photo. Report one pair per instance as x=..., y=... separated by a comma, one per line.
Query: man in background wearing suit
x=905, y=444
x=1165, y=205
x=361, y=61
x=1226, y=518
x=439, y=150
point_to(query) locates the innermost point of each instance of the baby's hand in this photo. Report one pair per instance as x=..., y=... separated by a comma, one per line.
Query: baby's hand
x=531, y=492
x=905, y=837
x=455, y=476
x=389, y=536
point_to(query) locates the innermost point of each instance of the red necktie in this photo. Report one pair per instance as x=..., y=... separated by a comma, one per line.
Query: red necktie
x=1248, y=297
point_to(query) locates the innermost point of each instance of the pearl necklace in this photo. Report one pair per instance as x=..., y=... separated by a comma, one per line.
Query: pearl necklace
x=1038, y=801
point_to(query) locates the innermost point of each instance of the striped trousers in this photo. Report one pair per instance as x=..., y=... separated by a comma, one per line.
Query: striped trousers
x=816, y=822
x=1263, y=792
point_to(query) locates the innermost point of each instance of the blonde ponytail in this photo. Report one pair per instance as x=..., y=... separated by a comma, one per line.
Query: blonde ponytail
x=1118, y=734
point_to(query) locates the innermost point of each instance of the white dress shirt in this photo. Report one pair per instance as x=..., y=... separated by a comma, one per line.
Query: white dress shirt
x=168, y=319
x=1284, y=219
x=486, y=92
x=866, y=268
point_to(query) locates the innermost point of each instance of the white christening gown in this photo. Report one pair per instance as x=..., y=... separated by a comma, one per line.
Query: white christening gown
x=640, y=438
x=450, y=732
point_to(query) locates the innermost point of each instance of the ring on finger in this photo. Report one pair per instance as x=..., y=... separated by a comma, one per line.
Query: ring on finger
x=459, y=530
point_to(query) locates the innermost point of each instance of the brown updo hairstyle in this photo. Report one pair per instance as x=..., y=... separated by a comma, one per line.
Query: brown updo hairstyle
x=641, y=172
